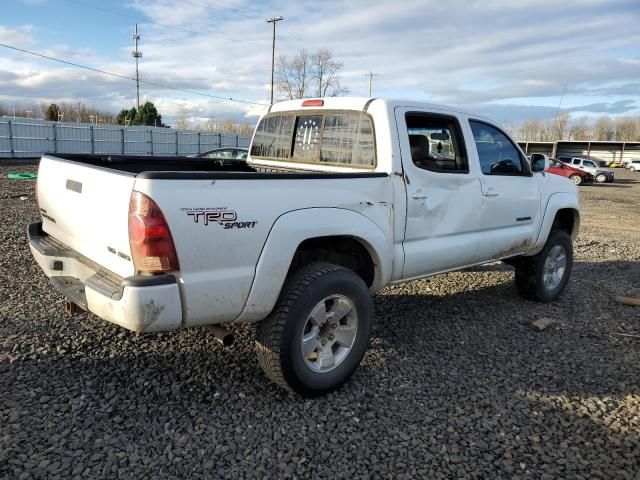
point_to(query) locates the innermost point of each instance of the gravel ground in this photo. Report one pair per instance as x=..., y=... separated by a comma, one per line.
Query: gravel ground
x=456, y=383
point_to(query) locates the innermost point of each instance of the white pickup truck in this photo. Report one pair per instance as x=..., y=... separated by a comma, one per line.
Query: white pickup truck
x=338, y=198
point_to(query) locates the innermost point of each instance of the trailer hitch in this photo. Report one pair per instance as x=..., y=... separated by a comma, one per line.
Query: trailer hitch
x=71, y=308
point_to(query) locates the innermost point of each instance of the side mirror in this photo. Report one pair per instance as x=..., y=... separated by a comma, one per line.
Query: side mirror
x=539, y=162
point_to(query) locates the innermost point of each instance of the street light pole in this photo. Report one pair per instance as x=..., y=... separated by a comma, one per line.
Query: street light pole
x=273, y=50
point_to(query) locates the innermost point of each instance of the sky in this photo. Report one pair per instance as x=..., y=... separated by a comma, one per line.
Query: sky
x=509, y=60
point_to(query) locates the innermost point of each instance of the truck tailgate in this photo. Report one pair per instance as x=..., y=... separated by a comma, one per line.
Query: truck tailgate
x=86, y=208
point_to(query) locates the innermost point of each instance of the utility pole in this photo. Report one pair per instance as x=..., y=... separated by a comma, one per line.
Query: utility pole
x=273, y=50
x=137, y=54
x=370, y=75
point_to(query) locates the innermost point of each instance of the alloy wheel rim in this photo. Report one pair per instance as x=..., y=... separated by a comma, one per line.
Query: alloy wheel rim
x=554, y=267
x=329, y=333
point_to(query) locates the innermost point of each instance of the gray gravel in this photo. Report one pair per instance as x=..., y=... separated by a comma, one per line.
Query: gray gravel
x=456, y=383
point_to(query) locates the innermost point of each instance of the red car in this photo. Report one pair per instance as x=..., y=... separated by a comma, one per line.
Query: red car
x=576, y=175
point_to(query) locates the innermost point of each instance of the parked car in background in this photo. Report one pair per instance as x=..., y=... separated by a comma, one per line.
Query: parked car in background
x=577, y=176
x=634, y=166
x=601, y=174
x=231, y=153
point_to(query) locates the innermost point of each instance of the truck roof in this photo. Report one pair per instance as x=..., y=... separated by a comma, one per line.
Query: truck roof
x=360, y=103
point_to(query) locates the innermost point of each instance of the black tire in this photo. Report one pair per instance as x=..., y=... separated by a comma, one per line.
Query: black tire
x=530, y=270
x=601, y=178
x=575, y=178
x=278, y=337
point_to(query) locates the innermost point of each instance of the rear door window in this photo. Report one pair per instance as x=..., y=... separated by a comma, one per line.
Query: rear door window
x=436, y=143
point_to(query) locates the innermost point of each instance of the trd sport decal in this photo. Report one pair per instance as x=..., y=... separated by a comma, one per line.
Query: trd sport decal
x=220, y=216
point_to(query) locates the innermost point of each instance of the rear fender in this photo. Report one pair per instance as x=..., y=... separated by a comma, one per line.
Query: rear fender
x=290, y=230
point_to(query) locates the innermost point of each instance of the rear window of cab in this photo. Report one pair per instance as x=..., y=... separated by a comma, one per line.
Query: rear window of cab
x=324, y=138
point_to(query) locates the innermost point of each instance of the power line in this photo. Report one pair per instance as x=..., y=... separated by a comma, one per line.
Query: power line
x=104, y=72
x=213, y=8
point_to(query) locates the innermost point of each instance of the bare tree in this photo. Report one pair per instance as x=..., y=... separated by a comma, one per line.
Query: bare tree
x=531, y=131
x=579, y=129
x=210, y=126
x=306, y=75
x=604, y=129
x=293, y=76
x=326, y=74
x=228, y=126
x=621, y=129
x=560, y=125
x=627, y=129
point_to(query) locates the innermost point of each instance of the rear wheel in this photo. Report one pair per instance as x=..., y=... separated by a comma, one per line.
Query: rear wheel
x=575, y=178
x=543, y=277
x=318, y=332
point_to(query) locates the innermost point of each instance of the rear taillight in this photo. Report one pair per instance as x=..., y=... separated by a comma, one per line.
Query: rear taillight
x=152, y=247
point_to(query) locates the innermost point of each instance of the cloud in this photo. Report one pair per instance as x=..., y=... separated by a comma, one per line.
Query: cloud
x=512, y=60
x=619, y=107
x=17, y=36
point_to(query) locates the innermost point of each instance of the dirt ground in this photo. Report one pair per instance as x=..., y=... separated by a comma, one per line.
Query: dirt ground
x=613, y=208
x=455, y=384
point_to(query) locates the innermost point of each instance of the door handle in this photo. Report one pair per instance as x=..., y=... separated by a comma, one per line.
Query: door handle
x=418, y=196
x=490, y=194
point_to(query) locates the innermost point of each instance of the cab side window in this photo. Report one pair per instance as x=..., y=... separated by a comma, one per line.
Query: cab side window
x=497, y=153
x=436, y=143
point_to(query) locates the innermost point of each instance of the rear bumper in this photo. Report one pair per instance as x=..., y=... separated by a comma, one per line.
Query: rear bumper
x=138, y=303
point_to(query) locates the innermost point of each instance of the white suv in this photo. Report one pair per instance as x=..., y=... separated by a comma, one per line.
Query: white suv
x=600, y=174
x=634, y=166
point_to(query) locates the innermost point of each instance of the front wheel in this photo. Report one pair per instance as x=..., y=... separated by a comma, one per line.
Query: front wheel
x=543, y=277
x=601, y=178
x=575, y=178
x=318, y=332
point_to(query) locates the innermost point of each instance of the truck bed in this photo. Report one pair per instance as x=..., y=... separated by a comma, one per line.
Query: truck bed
x=193, y=168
